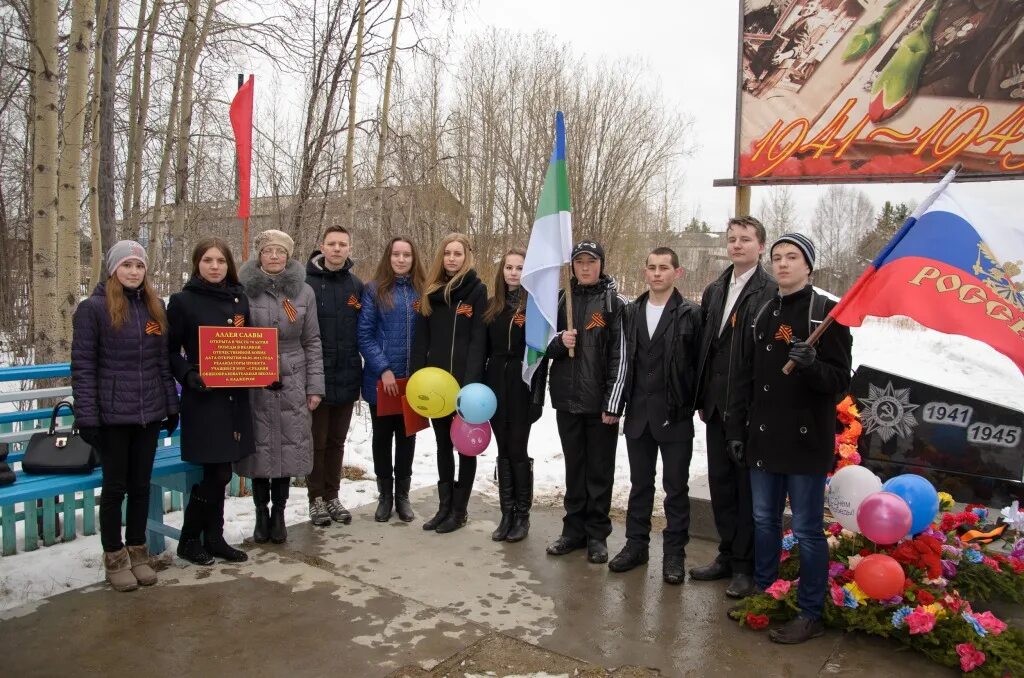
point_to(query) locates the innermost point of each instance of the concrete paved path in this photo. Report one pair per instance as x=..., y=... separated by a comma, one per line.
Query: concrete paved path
x=378, y=599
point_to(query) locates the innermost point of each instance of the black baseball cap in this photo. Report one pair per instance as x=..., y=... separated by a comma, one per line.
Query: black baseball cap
x=588, y=247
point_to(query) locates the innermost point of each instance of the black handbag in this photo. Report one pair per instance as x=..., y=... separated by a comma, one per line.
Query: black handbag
x=59, y=452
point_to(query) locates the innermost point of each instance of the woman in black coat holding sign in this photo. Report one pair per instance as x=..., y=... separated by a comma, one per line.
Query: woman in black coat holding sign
x=519, y=406
x=450, y=335
x=216, y=424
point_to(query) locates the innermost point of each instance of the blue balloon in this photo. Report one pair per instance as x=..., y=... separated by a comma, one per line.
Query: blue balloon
x=920, y=496
x=476, y=403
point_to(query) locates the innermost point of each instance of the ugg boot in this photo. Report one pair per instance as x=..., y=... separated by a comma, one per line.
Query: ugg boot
x=402, y=506
x=190, y=547
x=506, y=499
x=444, y=495
x=213, y=535
x=118, y=567
x=279, y=497
x=522, y=472
x=457, y=517
x=141, y=568
x=261, y=498
x=385, y=500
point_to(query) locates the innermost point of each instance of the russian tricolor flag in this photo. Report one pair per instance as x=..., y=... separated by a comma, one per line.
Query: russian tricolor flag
x=951, y=268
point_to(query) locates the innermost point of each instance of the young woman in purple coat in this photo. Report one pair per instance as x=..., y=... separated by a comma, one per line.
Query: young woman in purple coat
x=124, y=394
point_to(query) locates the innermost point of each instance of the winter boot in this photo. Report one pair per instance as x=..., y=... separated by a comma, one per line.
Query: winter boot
x=337, y=511
x=213, y=535
x=506, y=499
x=385, y=500
x=118, y=567
x=143, y=571
x=402, y=506
x=261, y=498
x=279, y=497
x=444, y=494
x=457, y=517
x=190, y=547
x=522, y=473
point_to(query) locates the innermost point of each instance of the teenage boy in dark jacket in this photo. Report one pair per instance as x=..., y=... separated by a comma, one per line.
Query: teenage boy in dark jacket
x=588, y=392
x=337, y=290
x=662, y=332
x=728, y=304
x=783, y=426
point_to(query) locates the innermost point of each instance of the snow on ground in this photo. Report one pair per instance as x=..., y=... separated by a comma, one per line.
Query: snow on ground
x=895, y=345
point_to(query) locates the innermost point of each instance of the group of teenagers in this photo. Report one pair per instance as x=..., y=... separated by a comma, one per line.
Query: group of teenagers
x=654, y=361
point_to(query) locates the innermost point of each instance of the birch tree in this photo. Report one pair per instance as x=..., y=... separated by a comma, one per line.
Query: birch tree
x=69, y=195
x=46, y=330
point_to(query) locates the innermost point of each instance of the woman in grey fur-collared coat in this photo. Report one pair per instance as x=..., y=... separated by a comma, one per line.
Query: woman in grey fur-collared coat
x=279, y=297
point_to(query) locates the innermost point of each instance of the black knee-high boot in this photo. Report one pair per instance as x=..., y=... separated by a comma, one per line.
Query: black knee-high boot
x=506, y=498
x=522, y=472
x=190, y=547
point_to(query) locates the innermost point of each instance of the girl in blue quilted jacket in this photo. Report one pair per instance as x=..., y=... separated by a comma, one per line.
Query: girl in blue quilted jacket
x=387, y=324
x=124, y=394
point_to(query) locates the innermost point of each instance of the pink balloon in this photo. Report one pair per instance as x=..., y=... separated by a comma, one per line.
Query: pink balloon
x=470, y=439
x=884, y=518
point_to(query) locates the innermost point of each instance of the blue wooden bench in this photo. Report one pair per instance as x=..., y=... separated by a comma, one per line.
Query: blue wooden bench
x=59, y=494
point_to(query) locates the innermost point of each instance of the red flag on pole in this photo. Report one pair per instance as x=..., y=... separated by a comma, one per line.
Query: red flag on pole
x=241, y=123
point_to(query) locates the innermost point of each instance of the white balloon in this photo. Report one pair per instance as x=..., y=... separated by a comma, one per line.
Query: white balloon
x=850, y=486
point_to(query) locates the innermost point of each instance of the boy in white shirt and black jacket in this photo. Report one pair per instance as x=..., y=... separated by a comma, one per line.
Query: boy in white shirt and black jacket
x=588, y=393
x=662, y=340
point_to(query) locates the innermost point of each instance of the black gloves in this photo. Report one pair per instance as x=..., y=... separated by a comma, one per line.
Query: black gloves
x=274, y=386
x=195, y=382
x=171, y=424
x=536, y=411
x=90, y=434
x=802, y=353
x=735, y=450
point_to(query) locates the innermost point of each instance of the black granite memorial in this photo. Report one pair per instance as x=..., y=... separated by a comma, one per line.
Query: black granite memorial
x=967, y=447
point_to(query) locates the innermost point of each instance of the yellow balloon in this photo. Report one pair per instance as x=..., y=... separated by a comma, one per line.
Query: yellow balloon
x=432, y=392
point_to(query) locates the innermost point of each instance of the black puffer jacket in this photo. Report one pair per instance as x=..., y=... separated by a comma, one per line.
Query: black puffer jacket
x=216, y=425
x=595, y=380
x=338, y=295
x=506, y=345
x=119, y=376
x=788, y=421
x=453, y=337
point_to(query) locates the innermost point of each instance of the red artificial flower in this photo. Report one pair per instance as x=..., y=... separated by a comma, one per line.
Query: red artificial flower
x=1017, y=564
x=948, y=523
x=925, y=598
x=991, y=562
x=757, y=621
x=834, y=529
x=991, y=623
x=970, y=657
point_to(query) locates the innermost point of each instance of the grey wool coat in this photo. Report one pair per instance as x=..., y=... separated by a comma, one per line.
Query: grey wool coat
x=281, y=420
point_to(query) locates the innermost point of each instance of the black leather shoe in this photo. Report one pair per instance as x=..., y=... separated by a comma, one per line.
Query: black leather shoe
x=563, y=545
x=741, y=586
x=716, y=570
x=673, y=569
x=797, y=631
x=597, y=551
x=632, y=555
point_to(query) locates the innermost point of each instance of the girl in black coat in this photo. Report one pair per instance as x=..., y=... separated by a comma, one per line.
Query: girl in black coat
x=216, y=424
x=124, y=393
x=519, y=406
x=450, y=335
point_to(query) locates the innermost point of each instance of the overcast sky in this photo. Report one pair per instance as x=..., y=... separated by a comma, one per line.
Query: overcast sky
x=690, y=47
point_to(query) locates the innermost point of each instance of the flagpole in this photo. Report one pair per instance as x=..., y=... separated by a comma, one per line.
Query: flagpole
x=859, y=283
x=568, y=305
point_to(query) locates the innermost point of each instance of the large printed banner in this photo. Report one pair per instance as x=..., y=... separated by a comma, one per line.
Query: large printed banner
x=880, y=90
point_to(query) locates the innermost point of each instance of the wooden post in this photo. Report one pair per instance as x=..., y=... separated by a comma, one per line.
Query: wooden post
x=741, y=207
